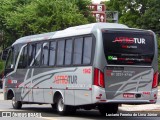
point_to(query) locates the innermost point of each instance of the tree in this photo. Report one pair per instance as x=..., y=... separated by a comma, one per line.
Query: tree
x=26, y=17
x=142, y=14
x=137, y=13
x=116, y=5
x=1, y=67
x=151, y=17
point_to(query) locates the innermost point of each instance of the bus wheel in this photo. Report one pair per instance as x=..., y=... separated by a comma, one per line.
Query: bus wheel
x=61, y=107
x=16, y=104
x=108, y=109
x=54, y=107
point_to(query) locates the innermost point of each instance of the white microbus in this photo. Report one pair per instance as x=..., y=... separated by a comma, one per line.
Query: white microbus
x=99, y=65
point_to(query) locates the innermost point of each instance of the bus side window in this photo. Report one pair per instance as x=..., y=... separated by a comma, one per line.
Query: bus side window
x=68, y=52
x=25, y=56
x=77, y=55
x=87, y=51
x=23, y=59
x=52, y=53
x=9, y=62
x=45, y=52
x=60, y=52
x=31, y=55
x=37, y=60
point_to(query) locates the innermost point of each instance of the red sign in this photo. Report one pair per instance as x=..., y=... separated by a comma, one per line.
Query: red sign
x=98, y=7
x=100, y=16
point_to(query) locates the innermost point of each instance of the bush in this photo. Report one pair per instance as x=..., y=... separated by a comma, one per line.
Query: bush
x=1, y=66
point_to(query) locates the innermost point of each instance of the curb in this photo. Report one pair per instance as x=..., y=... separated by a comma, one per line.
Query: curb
x=1, y=91
x=1, y=96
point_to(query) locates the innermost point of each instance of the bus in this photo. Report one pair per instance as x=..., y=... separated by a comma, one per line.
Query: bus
x=94, y=66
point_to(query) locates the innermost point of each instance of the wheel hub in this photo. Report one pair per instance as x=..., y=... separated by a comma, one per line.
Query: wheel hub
x=13, y=101
x=61, y=105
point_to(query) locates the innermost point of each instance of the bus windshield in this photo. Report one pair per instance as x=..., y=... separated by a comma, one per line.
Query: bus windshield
x=128, y=47
x=9, y=62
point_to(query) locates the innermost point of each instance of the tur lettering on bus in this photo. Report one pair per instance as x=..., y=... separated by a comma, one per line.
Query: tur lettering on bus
x=65, y=79
x=129, y=40
x=139, y=40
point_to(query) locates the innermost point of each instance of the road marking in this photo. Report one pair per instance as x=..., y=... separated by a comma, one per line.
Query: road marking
x=5, y=110
x=49, y=118
x=10, y=110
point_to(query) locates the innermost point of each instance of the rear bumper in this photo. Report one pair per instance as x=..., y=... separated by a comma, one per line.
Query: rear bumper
x=99, y=96
x=129, y=101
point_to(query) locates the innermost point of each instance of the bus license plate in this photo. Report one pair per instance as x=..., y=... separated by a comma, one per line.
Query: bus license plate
x=128, y=95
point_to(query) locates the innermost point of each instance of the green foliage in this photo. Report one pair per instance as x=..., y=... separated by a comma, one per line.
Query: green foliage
x=1, y=66
x=137, y=13
x=26, y=17
x=151, y=18
x=116, y=5
x=142, y=14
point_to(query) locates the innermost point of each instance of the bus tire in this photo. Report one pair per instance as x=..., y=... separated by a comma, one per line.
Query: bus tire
x=72, y=110
x=62, y=109
x=54, y=107
x=16, y=104
x=108, y=109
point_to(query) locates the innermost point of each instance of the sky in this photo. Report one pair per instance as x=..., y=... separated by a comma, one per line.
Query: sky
x=97, y=1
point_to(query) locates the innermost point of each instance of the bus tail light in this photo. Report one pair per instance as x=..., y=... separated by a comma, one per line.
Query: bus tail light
x=155, y=80
x=99, y=78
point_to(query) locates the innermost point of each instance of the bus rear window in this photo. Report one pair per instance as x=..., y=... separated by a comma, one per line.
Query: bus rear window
x=128, y=48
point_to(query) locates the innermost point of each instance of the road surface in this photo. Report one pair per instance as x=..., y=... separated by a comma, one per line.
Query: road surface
x=143, y=111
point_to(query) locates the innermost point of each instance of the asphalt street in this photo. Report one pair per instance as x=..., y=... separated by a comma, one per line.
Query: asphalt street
x=125, y=111
x=49, y=114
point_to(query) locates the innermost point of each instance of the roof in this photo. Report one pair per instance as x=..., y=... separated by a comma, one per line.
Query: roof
x=71, y=31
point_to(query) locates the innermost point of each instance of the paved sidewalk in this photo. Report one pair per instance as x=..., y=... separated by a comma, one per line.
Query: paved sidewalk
x=1, y=96
x=145, y=107
x=1, y=91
